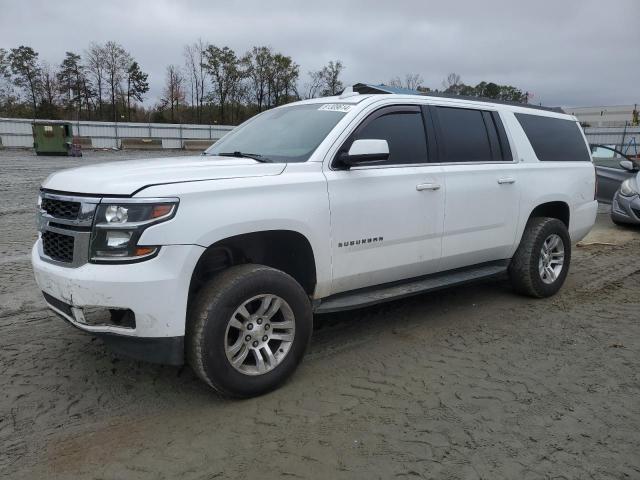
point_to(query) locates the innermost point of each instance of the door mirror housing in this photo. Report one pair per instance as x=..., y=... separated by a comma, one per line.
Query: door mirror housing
x=628, y=165
x=365, y=152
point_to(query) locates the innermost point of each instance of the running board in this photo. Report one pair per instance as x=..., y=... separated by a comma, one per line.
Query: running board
x=385, y=293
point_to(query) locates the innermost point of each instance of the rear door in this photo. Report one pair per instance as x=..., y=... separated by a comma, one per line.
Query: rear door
x=386, y=219
x=481, y=179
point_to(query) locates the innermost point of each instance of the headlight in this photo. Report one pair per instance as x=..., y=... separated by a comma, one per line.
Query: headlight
x=119, y=225
x=628, y=189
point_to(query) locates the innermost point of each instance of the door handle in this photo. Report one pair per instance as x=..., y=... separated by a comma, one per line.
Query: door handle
x=502, y=181
x=427, y=186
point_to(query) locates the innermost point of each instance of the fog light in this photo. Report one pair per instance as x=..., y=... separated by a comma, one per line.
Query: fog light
x=116, y=214
x=116, y=239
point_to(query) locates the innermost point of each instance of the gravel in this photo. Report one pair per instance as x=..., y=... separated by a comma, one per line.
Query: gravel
x=472, y=382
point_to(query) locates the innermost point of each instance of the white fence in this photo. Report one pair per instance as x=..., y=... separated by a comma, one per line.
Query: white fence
x=16, y=132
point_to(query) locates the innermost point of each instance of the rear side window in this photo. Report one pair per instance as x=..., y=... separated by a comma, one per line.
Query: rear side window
x=469, y=135
x=403, y=131
x=554, y=139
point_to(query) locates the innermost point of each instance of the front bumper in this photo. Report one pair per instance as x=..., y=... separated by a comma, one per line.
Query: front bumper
x=156, y=291
x=626, y=209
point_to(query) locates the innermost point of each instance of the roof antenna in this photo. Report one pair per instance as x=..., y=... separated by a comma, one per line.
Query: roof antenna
x=348, y=92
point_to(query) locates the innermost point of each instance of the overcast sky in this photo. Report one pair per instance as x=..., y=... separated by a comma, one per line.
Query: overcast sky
x=565, y=52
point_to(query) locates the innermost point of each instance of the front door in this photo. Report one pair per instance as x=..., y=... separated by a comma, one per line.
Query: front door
x=386, y=220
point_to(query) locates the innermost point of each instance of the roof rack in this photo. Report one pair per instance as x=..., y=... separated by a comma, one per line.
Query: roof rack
x=368, y=89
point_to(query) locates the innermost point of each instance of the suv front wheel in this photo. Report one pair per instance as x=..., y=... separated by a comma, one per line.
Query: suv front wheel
x=541, y=263
x=248, y=330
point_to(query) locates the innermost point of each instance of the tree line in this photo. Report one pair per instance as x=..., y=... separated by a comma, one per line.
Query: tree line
x=107, y=84
x=212, y=85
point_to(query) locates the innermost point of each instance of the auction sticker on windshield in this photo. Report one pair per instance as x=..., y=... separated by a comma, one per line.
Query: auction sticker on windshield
x=336, y=107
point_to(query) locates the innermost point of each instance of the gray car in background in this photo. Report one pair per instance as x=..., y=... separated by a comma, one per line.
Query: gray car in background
x=618, y=177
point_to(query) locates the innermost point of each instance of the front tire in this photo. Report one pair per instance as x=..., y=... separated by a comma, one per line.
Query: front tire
x=541, y=263
x=248, y=330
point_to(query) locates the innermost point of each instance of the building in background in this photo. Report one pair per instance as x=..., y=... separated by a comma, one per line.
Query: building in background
x=606, y=116
x=617, y=126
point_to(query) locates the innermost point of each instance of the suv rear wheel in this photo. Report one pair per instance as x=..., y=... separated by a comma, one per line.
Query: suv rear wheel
x=248, y=330
x=541, y=263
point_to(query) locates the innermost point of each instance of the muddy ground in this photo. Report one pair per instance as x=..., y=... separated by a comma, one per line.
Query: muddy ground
x=474, y=382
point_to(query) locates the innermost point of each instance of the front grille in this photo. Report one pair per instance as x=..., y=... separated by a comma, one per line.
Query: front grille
x=61, y=208
x=57, y=246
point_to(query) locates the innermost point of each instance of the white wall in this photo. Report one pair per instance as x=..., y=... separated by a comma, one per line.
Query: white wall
x=16, y=132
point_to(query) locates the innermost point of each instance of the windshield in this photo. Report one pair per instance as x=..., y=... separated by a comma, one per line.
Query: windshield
x=288, y=134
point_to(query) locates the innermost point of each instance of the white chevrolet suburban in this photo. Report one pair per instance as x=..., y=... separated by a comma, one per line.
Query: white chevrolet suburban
x=322, y=205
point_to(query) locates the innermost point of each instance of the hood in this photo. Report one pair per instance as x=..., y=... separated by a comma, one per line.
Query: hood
x=126, y=177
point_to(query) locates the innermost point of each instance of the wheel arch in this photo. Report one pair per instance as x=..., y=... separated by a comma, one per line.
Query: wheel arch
x=286, y=250
x=554, y=209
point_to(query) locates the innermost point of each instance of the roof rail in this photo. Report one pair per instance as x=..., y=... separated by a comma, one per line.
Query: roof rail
x=368, y=89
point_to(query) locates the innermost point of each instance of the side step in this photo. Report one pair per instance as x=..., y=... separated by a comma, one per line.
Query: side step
x=393, y=291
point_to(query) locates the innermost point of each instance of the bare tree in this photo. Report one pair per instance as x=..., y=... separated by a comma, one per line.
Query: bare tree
x=97, y=69
x=313, y=86
x=395, y=82
x=49, y=81
x=194, y=62
x=116, y=62
x=452, y=81
x=412, y=81
x=174, y=94
x=190, y=69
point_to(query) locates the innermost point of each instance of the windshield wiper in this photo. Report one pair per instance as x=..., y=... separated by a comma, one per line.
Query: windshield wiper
x=254, y=156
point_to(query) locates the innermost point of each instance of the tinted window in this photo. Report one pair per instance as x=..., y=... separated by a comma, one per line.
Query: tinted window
x=463, y=135
x=404, y=131
x=554, y=139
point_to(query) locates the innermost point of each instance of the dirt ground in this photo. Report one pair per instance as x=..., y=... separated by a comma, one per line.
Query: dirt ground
x=473, y=382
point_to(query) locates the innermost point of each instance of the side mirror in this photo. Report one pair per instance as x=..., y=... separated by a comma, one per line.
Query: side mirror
x=366, y=151
x=628, y=165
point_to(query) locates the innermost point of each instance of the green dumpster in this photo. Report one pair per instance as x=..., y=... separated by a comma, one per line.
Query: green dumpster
x=52, y=138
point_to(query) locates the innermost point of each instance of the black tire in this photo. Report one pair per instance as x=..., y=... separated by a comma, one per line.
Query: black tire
x=211, y=313
x=523, y=269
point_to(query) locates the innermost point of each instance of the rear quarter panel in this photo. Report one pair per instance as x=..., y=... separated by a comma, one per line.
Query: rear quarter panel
x=571, y=182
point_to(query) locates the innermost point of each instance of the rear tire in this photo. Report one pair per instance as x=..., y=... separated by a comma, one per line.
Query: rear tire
x=541, y=263
x=248, y=330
